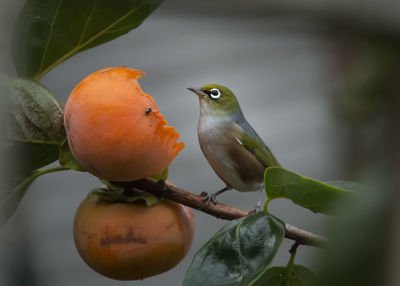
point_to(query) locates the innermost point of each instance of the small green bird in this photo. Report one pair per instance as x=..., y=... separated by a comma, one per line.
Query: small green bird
x=231, y=146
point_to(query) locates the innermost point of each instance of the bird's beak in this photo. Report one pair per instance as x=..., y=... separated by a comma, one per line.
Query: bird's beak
x=196, y=91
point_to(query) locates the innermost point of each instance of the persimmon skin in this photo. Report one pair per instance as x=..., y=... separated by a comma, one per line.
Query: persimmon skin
x=115, y=131
x=130, y=241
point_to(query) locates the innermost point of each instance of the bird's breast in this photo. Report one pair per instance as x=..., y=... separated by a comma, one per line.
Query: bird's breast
x=211, y=132
x=235, y=165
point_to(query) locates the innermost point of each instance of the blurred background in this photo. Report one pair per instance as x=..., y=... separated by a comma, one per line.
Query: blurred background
x=318, y=80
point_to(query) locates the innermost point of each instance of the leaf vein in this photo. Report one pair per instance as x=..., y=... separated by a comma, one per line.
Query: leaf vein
x=27, y=116
x=239, y=247
x=30, y=141
x=50, y=35
x=78, y=47
x=87, y=22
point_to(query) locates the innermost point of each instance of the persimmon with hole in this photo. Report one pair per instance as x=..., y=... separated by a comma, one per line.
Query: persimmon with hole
x=115, y=131
x=130, y=241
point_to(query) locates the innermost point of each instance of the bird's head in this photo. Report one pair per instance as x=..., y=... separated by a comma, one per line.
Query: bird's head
x=216, y=100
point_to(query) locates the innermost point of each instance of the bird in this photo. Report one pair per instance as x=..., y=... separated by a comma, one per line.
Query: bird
x=231, y=146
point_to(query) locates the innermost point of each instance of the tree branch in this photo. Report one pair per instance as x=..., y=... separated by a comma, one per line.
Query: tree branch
x=170, y=192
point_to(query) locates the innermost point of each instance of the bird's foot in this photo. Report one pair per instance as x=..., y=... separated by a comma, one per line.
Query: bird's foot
x=257, y=209
x=208, y=198
x=258, y=205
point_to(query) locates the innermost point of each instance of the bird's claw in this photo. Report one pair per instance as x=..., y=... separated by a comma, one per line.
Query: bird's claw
x=208, y=198
x=257, y=209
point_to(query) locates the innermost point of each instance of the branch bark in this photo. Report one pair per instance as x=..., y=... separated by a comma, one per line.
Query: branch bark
x=170, y=192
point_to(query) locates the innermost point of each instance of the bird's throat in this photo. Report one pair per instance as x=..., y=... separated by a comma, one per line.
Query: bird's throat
x=213, y=109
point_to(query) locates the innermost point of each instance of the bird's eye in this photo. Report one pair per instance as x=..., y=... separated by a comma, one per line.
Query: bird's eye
x=215, y=93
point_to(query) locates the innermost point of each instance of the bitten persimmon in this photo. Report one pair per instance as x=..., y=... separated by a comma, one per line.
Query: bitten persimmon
x=115, y=130
x=129, y=241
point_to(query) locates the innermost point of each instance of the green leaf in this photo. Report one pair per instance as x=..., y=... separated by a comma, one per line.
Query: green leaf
x=32, y=128
x=149, y=199
x=31, y=133
x=296, y=275
x=238, y=253
x=350, y=186
x=50, y=31
x=115, y=192
x=306, y=192
x=113, y=187
x=363, y=235
x=20, y=159
x=10, y=199
x=290, y=275
x=162, y=175
x=117, y=195
x=66, y=158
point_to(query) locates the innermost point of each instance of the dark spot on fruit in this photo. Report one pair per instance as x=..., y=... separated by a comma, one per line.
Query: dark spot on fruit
x=127, y=238
x=148, y=110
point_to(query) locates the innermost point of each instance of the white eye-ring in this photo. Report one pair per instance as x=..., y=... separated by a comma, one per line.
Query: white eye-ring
x=215, y=93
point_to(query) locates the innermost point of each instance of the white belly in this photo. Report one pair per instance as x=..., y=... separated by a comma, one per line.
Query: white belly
x=210, y=133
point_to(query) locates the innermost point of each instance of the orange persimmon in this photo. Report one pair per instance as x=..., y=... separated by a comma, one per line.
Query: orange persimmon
x=115, y=131
x=129, y=241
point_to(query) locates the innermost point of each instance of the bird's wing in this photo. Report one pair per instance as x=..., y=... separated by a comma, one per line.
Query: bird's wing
x=248, y=137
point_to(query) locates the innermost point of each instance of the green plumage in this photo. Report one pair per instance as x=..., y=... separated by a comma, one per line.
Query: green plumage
x=260, y=150
x=232, y=147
